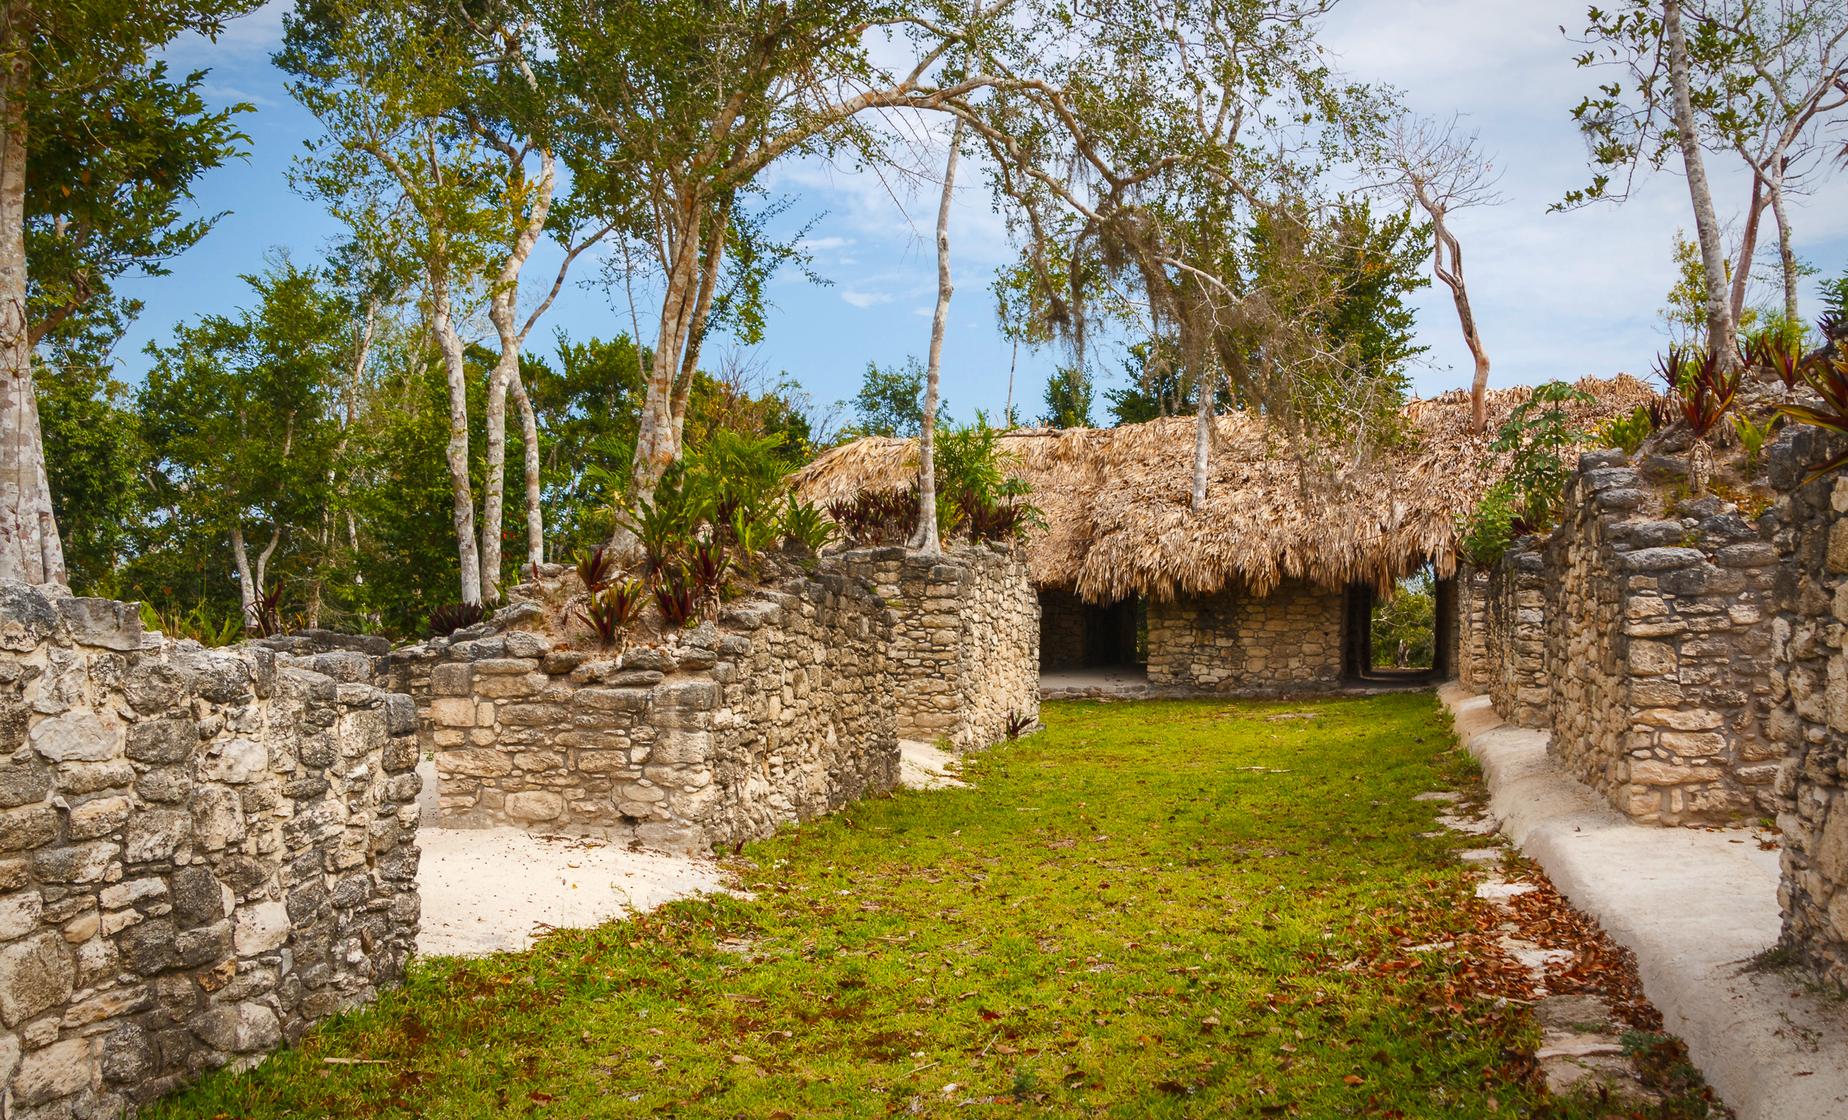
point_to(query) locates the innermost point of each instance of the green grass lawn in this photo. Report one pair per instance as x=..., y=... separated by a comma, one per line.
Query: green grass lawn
x=1157, y=909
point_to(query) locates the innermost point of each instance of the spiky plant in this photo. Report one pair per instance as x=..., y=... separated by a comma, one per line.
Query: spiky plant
x=805, y=527
x=612, y=610
x=596, y=568
x=673, y=594
x=1828, y=375
x=450, y=617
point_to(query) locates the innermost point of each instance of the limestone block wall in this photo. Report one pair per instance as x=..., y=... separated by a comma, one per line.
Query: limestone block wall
x=1472, y=628
x=1514, y=663
x=201, y=853
x=779, y=711
x=965, y=639
x=1809, y=680
x=1234, y=641
x=1659, y=639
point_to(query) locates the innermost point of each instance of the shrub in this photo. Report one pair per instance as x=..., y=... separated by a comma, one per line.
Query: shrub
x=1484, y=533
x=1753, y=436
x=673, y=594
x=447, y=619
x=1537, y=436
x=596, y=568
x=612, y=610
x=1627, y=432
x=198, y=624
x=663, y=525
x=1701, y=384
x=805, y=527
x=1827, y=374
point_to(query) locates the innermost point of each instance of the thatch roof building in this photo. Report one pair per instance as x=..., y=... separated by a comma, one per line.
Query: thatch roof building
x=1117, y=500
x=1279, y=545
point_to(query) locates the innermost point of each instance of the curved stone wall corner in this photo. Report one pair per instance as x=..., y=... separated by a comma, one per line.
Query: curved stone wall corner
x=201, y=853
x=1809, y=678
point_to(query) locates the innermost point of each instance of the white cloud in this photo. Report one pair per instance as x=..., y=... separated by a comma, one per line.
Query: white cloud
x=864, y=300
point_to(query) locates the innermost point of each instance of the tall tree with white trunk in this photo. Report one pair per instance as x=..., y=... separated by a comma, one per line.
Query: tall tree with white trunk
x=438, y=141
x=78, y=79
x=925, y=539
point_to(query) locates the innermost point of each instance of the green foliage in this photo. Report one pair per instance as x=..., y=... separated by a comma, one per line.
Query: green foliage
x=1626, y=432
x=1068, y=398
x=891, y=401
x=974, y=487
x=93, y=448
x=1158, y=387
x=1405, y=625
x=1485, y=532
x=804, y=526
x=1753, y=435
x=1537, y=437
x=199, y=624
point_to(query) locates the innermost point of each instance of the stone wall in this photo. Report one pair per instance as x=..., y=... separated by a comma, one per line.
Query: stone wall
x=1514, y=666
x=1659, y=638
x=1809, y=682
x=965, y=639
x=201, y=852
x=1289, y=640
x=779, y=711
x=1472, y=658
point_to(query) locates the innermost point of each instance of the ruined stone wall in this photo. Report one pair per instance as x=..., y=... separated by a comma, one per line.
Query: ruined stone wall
x=1809, y=682
x=1659, y=638
x=779, y=711
x=1472, y=628
x=1289, y=640
x=965, y=639
x=201, y=853
x=1514, y=664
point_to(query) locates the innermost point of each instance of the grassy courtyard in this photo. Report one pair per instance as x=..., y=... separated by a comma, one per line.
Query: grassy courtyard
x=1163, y=909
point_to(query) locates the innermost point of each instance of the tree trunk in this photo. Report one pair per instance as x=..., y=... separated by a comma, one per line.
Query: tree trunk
x=494, y=482
x=925, y=538
x=529, y=440
x=455, y=368
x=1786, y=252
x=246, y=581
x=30, y=549
x=1203, y=435
x=1748, y=245
x=1443, y=241
x=1720, y=325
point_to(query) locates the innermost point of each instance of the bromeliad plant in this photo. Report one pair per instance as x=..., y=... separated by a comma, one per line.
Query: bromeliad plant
x=1627, y=432
x=1827, y=375
x=447, y=619
x=708, y=565
x=612, y=610
x=1701, y=384
x=674, y=595
x=596, y=568
x=805, y=527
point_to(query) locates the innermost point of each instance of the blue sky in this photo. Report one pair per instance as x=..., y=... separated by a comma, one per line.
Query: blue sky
x=1557, y=295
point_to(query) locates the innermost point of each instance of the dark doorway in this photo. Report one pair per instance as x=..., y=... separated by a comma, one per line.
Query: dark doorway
x=1075, y=634
x=1404, y=637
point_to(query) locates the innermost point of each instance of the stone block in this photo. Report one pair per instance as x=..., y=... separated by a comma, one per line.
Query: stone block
x=56, y=1071
x=36, y=975
x=75, y=736
x=535, y=805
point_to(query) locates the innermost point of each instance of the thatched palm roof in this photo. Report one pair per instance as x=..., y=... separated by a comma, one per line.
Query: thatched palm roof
x=1117, y=501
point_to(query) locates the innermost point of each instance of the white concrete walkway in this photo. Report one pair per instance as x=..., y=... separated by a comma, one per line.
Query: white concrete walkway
x=1695, y=906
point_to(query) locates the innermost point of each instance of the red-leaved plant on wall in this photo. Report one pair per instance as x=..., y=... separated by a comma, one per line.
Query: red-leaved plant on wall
x=1701, y=385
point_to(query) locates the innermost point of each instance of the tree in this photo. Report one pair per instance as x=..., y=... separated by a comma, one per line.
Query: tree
x=1068, y=398
x=925, y=539
x=1630, y=129
x=1441, y=170
x=92, y=443
x=239, y=415
x=890, y=401
x=1767, y=73
x=438, y=140
x=98, y=148
x=674, y=108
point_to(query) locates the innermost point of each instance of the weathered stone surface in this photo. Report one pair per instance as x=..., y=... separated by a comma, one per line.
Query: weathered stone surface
x=35, y=975
x=157, y=803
